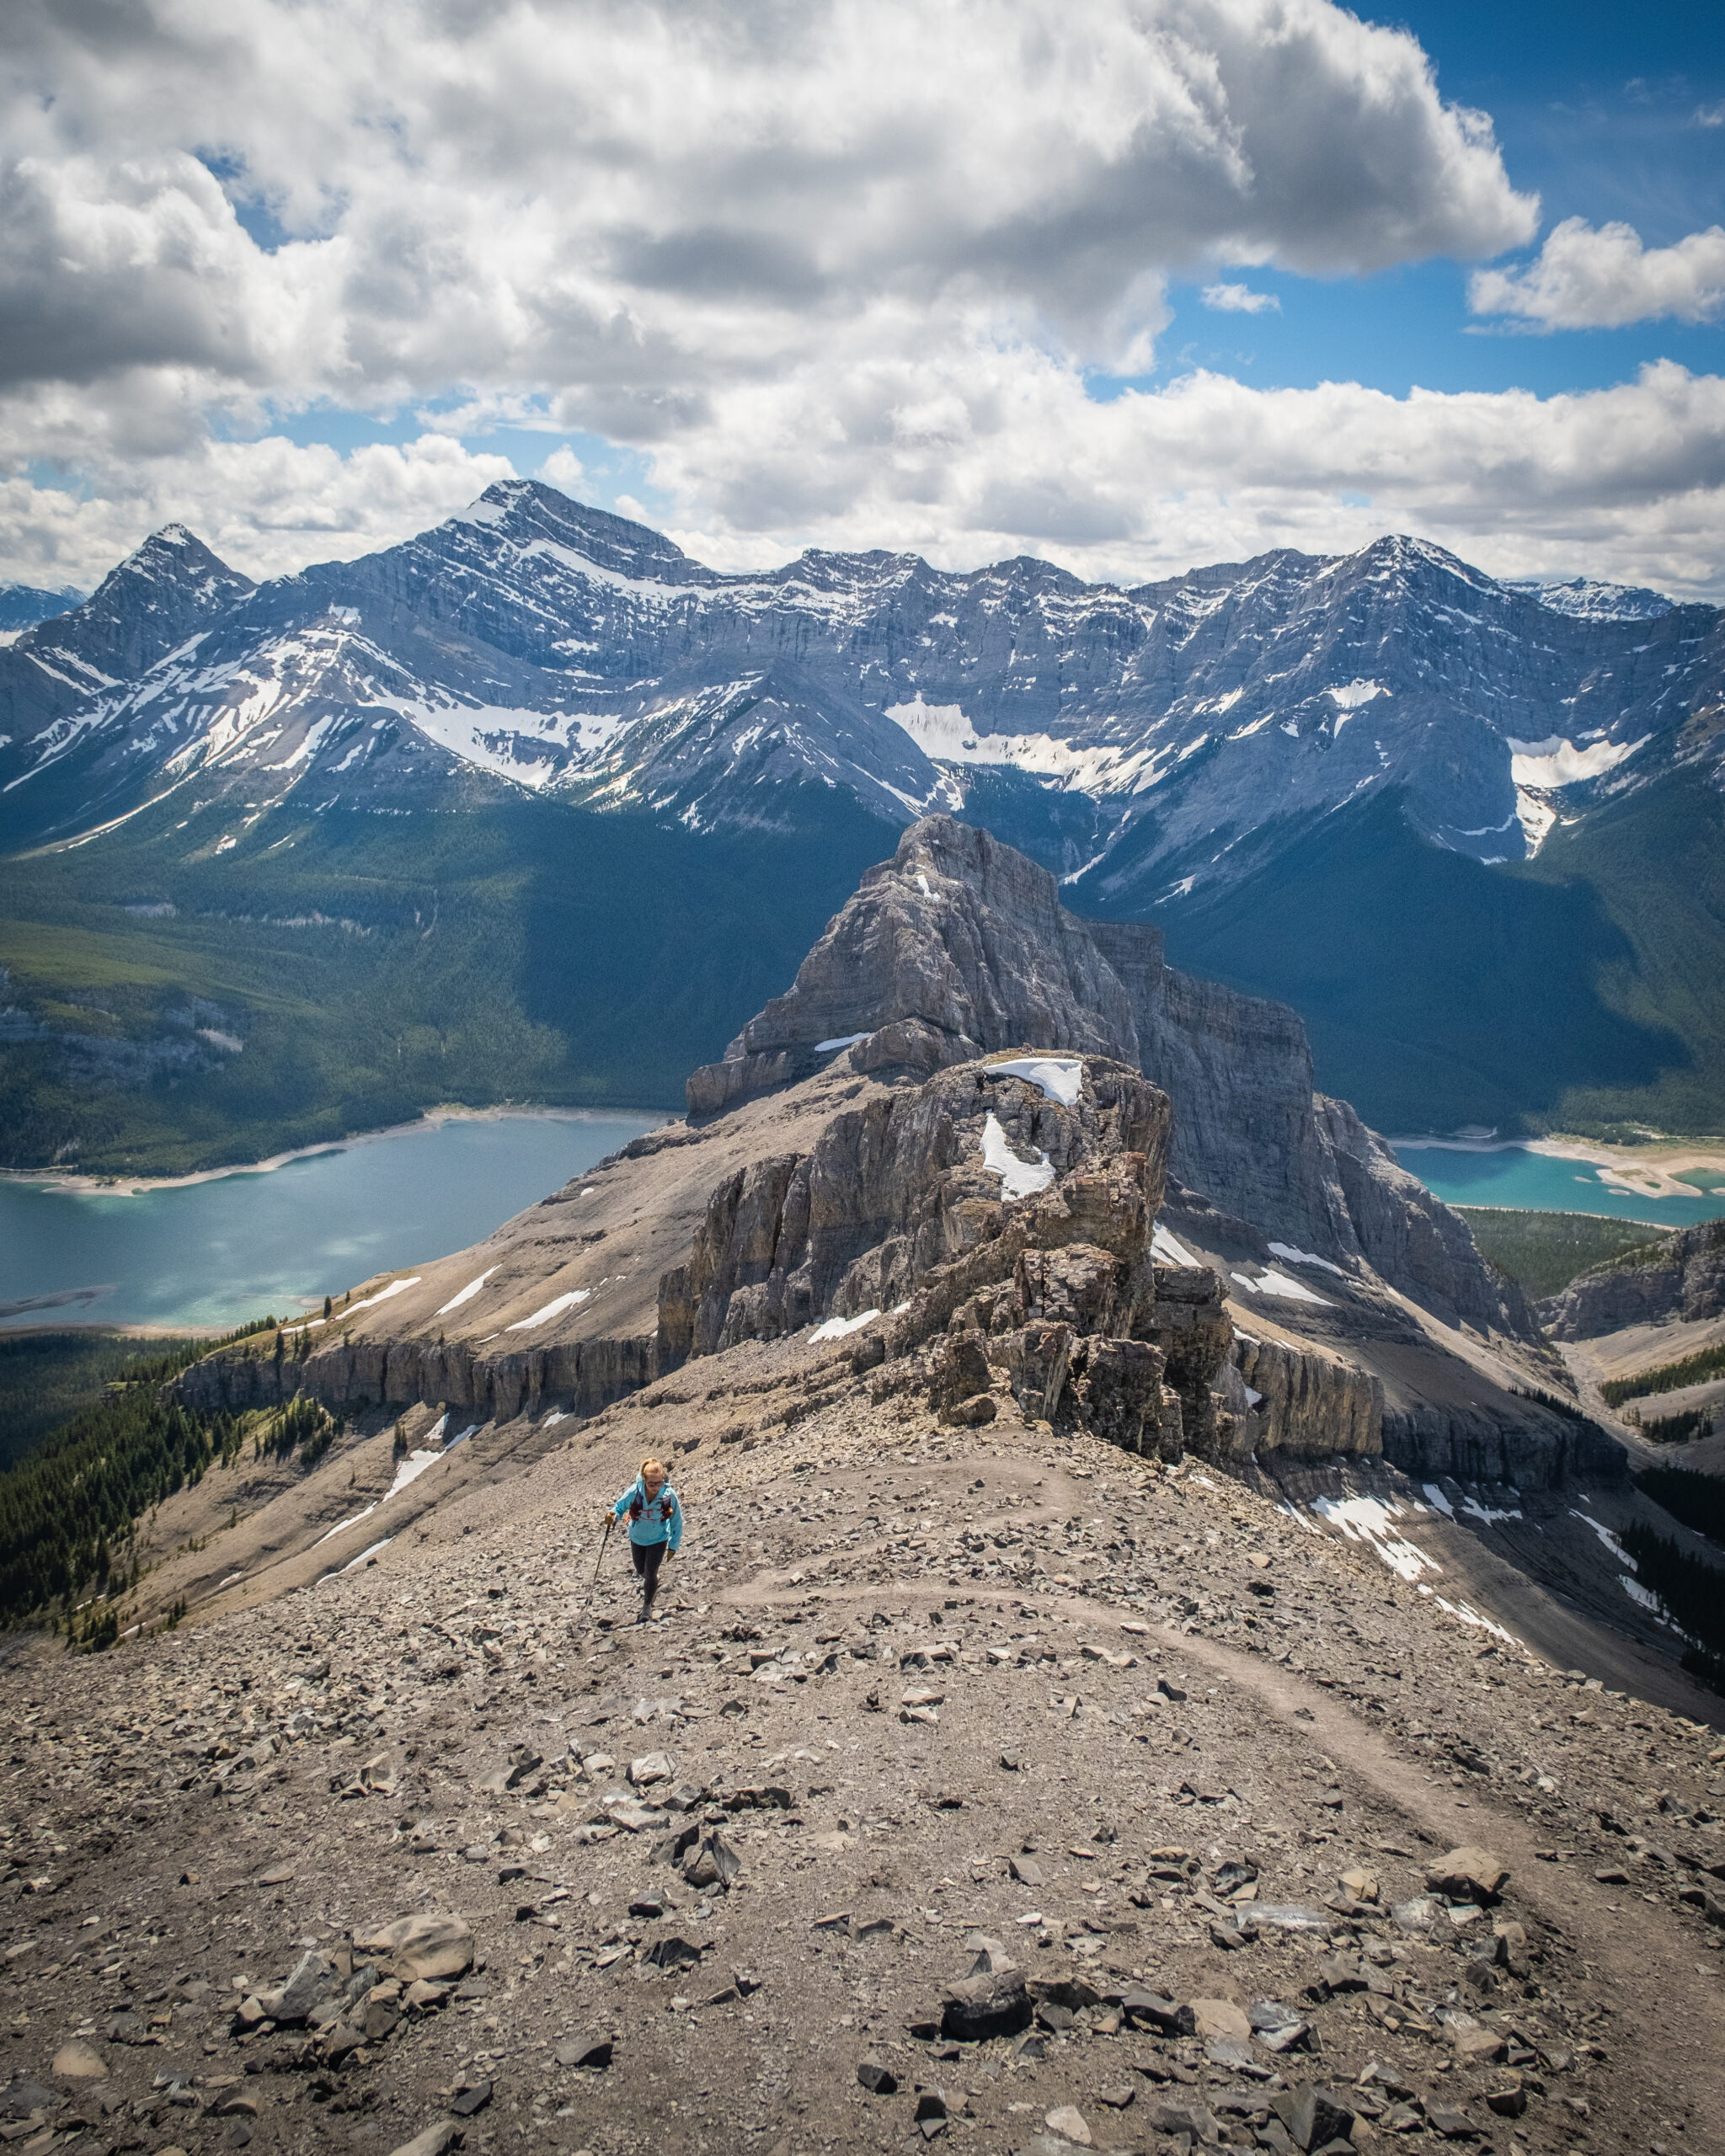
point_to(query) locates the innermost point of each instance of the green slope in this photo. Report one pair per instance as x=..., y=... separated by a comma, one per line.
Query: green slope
x=1577, y=990
x=526, y=951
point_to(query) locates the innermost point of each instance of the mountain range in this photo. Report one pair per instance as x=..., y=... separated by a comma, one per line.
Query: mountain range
x=1471, y=828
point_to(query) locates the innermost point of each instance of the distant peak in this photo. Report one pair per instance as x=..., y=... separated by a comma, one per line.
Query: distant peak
x=173, y=557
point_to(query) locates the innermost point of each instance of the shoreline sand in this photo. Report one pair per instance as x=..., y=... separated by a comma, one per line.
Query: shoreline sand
x=1650, y=1171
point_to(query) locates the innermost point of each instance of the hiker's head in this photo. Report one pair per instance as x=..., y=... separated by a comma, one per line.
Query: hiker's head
x=652, y=1475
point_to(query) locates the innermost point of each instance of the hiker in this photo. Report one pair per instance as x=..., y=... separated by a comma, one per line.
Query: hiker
x=655, y=1521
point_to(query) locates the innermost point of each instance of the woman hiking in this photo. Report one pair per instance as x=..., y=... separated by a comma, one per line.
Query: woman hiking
x=655, y=1521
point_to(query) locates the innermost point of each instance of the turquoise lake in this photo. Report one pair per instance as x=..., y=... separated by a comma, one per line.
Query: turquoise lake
x=214, y=1254
x=1510, y=1175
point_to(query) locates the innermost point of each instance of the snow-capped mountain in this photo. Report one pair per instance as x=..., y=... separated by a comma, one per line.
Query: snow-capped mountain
x=23, y=605
x=1161, y=737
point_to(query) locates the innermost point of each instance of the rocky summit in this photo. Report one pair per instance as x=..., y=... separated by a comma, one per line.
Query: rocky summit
x=1134, y=1680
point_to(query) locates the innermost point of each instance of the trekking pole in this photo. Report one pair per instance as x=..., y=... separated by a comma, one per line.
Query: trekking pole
x=604, y=1541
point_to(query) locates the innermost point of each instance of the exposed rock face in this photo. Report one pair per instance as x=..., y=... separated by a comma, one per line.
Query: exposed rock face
x=955, y=947
x=897, y=1189
x=959, y=947
x=351, y=1375
x=902, y=1219
x=1312, y=1404
x=1539, y=1451
x=1685, y=1281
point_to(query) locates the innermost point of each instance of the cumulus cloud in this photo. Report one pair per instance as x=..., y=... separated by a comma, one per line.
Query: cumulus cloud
x=1589, y=278
x=267, y=506
x=1239, y=299
x=1004, y=450
x=841, y=272
x=633, y=201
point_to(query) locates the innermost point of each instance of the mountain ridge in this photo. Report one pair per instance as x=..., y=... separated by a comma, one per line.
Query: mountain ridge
x=1185, y=750
x=548, y=645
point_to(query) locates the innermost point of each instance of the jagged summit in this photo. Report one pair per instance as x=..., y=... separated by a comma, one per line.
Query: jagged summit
x=960, y=946
x=526, y=512
x=533, y=642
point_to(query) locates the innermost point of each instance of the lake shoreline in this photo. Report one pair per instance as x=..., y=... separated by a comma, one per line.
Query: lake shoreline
x=116, y=1185
x=221, y=1251
x=1650, y=1172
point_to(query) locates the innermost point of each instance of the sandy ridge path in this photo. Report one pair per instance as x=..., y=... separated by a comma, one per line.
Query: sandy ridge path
x=1660, y=2001
x=1664, y=2005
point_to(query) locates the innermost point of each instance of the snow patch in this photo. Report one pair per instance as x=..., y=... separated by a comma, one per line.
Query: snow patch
x=1353, y=694
x=944, y=736
x=836, y=1328
x=342, y=1526
x=1605, y=1536
x=1306, y=1257
x=1277, y=1282
x=465, y=1294
x=395, y=1287
x=844, y=1040
x=1019, y=1178
x=1057, y=1078
x=555, y=1307
x=1163, y=1245
x=1556, y=761
x=1370, y=1520
x=1536, y=819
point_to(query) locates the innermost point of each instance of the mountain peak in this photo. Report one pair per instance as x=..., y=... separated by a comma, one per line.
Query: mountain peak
x=176, y=554
x=526, y=512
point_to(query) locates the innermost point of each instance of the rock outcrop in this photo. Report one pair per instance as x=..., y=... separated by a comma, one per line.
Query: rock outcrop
x=960, y=946
x=983, y=1232
x=1684, y=1279
x=1305, y=1402
x=1536, y=1449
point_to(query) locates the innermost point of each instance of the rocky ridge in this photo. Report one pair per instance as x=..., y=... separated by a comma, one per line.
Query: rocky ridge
x=1110, y=1695
x=979, y=1781
x=959, y=946
x=1681, y=1281
x=532, y=643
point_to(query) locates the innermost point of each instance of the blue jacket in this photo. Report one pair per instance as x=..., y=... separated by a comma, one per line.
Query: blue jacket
x=662, y=1521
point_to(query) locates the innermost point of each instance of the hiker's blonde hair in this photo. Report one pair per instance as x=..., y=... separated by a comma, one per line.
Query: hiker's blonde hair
x=650, y=1466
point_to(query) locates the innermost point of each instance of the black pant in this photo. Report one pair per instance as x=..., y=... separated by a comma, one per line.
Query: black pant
x=648, y=1557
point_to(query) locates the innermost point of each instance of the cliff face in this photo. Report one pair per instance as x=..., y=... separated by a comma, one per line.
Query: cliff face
x=955, y=947
x=901, y=1185
x=1685, y=1281
x=985, y=1235
x=960, y=946
x=922, y=1144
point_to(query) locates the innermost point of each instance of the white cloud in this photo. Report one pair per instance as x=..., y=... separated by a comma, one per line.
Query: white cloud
x=1003, y=450
x=564, y=469
x=268, y=507
x=1239, y=299
x=631, y=203
x=1600, y=278
x=839, y=273
x=1710, y=115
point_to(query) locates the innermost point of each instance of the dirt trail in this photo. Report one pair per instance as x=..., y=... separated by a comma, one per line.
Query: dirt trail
x=930, y=1688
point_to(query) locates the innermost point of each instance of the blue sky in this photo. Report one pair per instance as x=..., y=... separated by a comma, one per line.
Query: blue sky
x=955, y=280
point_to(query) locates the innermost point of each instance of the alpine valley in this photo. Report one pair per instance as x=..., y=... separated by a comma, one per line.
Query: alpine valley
x=536, y=806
